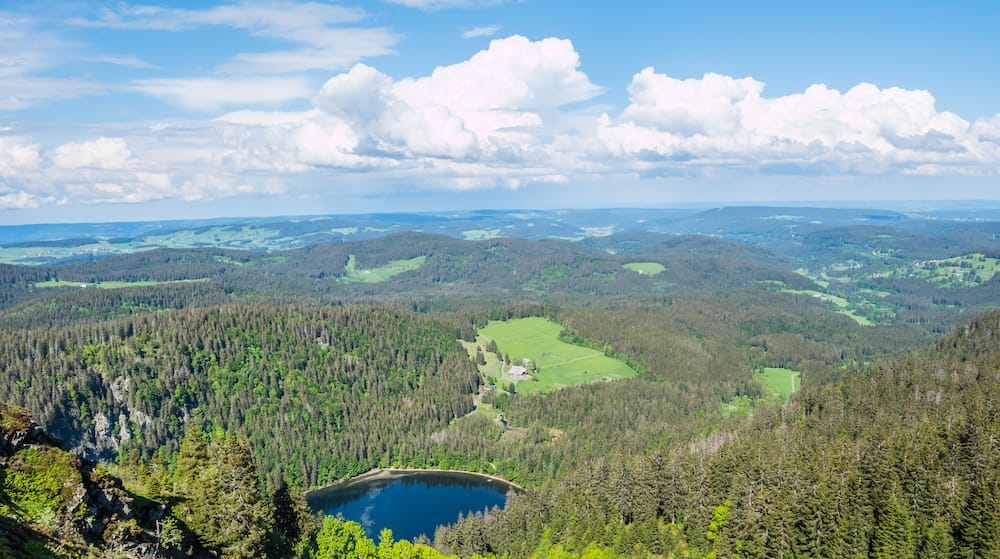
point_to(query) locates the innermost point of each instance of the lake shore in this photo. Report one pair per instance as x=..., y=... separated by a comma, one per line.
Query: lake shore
x=389, y=473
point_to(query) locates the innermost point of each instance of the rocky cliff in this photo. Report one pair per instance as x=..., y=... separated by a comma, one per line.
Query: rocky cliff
x=56, y=504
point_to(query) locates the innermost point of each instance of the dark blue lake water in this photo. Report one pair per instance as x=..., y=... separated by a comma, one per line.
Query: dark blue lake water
x=409, y=503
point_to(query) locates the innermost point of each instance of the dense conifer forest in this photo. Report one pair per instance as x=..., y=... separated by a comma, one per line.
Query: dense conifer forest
x=210, y=388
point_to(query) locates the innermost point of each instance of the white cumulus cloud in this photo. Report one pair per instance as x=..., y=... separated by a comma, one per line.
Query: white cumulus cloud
x=721, y=120
x=469, y=109
x=516, y=113
x=102, y=153
x=21, y=200
x=18, y=155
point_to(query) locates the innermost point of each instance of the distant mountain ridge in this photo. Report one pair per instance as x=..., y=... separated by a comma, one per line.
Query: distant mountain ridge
x=53, y=243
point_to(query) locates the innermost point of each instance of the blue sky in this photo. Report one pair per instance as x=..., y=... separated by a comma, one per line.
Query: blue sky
x=121, y=110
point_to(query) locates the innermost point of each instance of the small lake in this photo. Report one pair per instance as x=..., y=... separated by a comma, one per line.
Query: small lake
x=409, y=503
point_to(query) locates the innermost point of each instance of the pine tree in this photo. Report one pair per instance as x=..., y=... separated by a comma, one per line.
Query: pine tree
x=939, y=543
x=979, y=532
x=239, y=517
x=893, y=537
x=294, y=523
x=225, y=508
x=192, y=460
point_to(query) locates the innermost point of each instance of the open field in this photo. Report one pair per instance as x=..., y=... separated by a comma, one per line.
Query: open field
x=646, y=268
x=559, y=364
x=843, y=306
x=967, y=270
x=779, y=381
x=493, y=367
x=111, y=284
x=860, y=319
x=840, y=302
x=382, y=273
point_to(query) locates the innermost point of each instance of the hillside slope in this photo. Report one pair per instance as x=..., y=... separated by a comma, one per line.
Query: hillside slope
x=900, y=460
x=322, y=393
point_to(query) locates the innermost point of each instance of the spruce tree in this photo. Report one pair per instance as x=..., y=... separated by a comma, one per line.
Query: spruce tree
x=939, y=543
x=893, y=536
x=979, y=532
x=192, y=460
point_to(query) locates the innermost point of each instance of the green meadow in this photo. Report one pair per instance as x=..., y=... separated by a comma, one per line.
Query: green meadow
x=559, y=364
x=382, y=273
x=967, y=270
x=111, y=284
x=646, y=268
x=842, y=305
x=779, y=382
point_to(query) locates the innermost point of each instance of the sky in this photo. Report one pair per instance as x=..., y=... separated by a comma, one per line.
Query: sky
x=115, y=111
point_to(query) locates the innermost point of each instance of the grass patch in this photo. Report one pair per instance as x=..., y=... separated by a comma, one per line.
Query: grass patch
x=779, y=382
x=40, y=485
x=861, y=320
x=738, y=406
x=646, y=268
x=840, y=302
x=112, y=284
x=480, y=234
x=382, y=273
x=816, y=279
x=488, y=411
x=967, y=270
x=843, y=306
x=558, y=363
x=493, y=367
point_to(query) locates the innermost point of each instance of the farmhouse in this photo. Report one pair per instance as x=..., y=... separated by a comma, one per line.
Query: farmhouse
x=518, y=372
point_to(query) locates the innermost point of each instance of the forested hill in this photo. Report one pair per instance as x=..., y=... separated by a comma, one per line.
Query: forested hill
x=322, y=393
x=899, y=461
x=410, y=269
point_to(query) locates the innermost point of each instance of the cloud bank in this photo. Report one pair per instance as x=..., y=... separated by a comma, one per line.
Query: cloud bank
x=518, y=112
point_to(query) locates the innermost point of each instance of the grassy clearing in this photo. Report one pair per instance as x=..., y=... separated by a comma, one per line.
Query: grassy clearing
x=738, y=406
x=112, y=284
x=840, y=302
x=257, y=262
x=843, y=306
x=558, y=363
x=779, y=382
x=646, y=268
x=861, y=320
x=493, y=367
x=967, y=270
x=382, y=273
x=815, y=278
x=488, y=411
x=480, y=234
